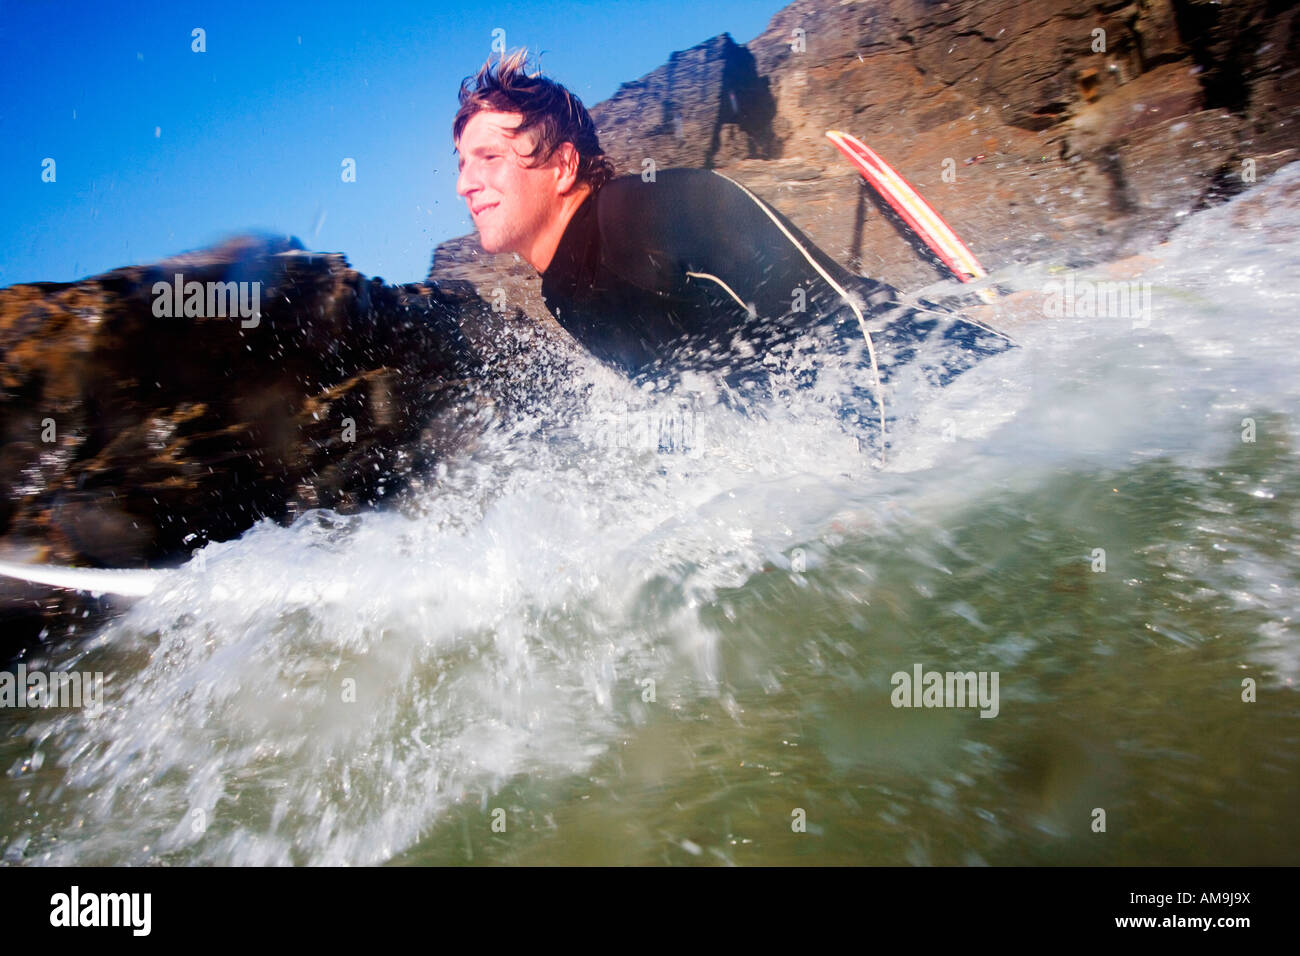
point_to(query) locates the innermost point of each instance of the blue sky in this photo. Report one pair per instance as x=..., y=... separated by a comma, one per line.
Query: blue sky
x=159, y=149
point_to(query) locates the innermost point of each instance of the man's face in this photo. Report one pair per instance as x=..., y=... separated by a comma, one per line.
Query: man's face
x=510, y=202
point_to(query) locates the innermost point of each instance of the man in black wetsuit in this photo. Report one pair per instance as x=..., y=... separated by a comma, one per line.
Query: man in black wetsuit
x=689, y=270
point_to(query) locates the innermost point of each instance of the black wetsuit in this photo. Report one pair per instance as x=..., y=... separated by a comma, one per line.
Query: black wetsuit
x=694, y=270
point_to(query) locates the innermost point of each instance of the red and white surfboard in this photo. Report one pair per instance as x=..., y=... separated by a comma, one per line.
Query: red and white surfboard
x=918, y=214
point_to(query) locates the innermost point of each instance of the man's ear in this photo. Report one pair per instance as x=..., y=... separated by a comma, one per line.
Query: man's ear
x=566, y=156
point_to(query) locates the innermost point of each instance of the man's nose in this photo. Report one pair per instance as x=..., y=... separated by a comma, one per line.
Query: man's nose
x=466, y=182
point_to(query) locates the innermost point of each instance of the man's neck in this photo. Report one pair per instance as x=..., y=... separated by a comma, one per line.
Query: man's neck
x=543, y=250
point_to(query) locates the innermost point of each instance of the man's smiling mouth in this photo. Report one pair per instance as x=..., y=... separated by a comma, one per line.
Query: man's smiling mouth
x=482, y=209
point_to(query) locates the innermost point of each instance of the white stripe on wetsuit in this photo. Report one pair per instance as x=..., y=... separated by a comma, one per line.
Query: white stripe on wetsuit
x=862, y=322
x=705, y=275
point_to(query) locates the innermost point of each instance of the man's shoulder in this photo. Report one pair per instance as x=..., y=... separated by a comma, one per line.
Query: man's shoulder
x=673, y=206
x=650, y=227
x=667, y=187
x=676, y=175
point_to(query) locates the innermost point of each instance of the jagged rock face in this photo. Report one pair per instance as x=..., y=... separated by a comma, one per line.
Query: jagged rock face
x=133, y=437
x=707, y=107
x=1060, y=148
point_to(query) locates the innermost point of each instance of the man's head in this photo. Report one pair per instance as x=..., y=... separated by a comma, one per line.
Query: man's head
x=528, y=156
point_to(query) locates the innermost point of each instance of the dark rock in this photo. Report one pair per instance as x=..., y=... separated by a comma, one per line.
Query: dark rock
x=131, y=439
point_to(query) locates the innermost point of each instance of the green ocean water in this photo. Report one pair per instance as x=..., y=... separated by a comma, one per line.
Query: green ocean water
x=1120, y=690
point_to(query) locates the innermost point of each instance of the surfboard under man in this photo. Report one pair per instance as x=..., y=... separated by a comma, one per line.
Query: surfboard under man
x=690, y=270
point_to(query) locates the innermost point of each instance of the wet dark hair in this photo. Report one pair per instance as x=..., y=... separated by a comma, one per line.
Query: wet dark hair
x=547, y=107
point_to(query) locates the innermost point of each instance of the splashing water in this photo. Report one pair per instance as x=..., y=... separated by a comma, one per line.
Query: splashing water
x=646, y=632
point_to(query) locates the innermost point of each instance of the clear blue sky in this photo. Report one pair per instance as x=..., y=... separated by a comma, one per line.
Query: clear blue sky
x=159, y=149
